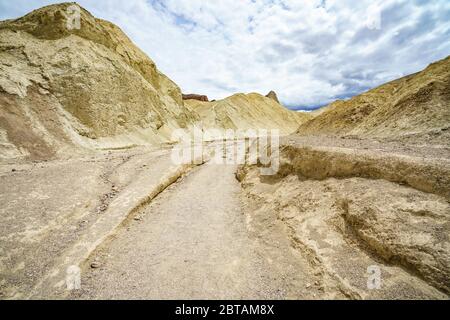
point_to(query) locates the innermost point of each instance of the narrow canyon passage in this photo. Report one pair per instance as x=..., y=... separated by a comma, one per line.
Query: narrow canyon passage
x=192, y=242
x=119, y=182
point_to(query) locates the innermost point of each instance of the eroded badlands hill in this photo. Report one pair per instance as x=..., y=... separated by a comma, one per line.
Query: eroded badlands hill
x=66, y=90
x=248, y=111
x=364, y=186
x=335, y=210
x=413, y=106
x=63, y=88
x=349, y=205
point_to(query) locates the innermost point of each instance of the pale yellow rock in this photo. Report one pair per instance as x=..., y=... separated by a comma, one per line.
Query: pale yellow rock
x=353, y=204
x=416, y=105
x=61, y=89
x=248, y=111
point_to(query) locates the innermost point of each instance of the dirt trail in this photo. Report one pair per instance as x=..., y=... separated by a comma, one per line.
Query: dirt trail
x=192, y=243
x=61, y=210
x=311, y=232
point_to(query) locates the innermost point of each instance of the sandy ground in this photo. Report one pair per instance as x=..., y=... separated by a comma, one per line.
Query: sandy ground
x=53, y=211
x=192, y=242
x=300, y=235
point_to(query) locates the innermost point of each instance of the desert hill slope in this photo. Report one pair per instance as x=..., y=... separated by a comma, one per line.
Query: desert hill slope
x=364, y=183
x=248, y=111
x=418, y=104
x=63, y=88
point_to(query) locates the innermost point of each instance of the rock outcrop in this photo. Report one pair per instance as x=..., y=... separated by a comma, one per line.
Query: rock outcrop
x=64, y=88
x=248, y=111
x=195, y=97
x=413, y=106
x=272, y=95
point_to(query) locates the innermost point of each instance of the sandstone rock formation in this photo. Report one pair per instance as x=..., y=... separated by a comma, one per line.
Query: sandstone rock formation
x=62, y=88
x=364, y=184
x=272, y=95
x=248, y=111
x=416, y=105
x=66, y=90
x=195, y=97
x=353, y=204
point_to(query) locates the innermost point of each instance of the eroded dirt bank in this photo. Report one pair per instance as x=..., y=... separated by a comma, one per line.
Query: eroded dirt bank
x=337, y=209
x=55, y=213
x=193, y=242
x=348, y=205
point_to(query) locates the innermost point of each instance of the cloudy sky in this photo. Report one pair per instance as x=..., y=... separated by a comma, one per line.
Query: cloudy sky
x=310, y=52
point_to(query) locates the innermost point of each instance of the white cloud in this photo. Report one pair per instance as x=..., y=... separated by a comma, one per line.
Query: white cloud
x=310, y=52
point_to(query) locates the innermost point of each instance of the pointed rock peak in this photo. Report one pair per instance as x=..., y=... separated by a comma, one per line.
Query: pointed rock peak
x=272, y=95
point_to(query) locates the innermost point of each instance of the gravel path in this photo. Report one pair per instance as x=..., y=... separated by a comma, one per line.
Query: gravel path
x=190, y=243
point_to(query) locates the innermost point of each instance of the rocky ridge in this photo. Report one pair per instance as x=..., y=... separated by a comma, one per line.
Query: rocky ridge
x=272, y=95
x=414, y=107
x=248, y=111
x=62, y=89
